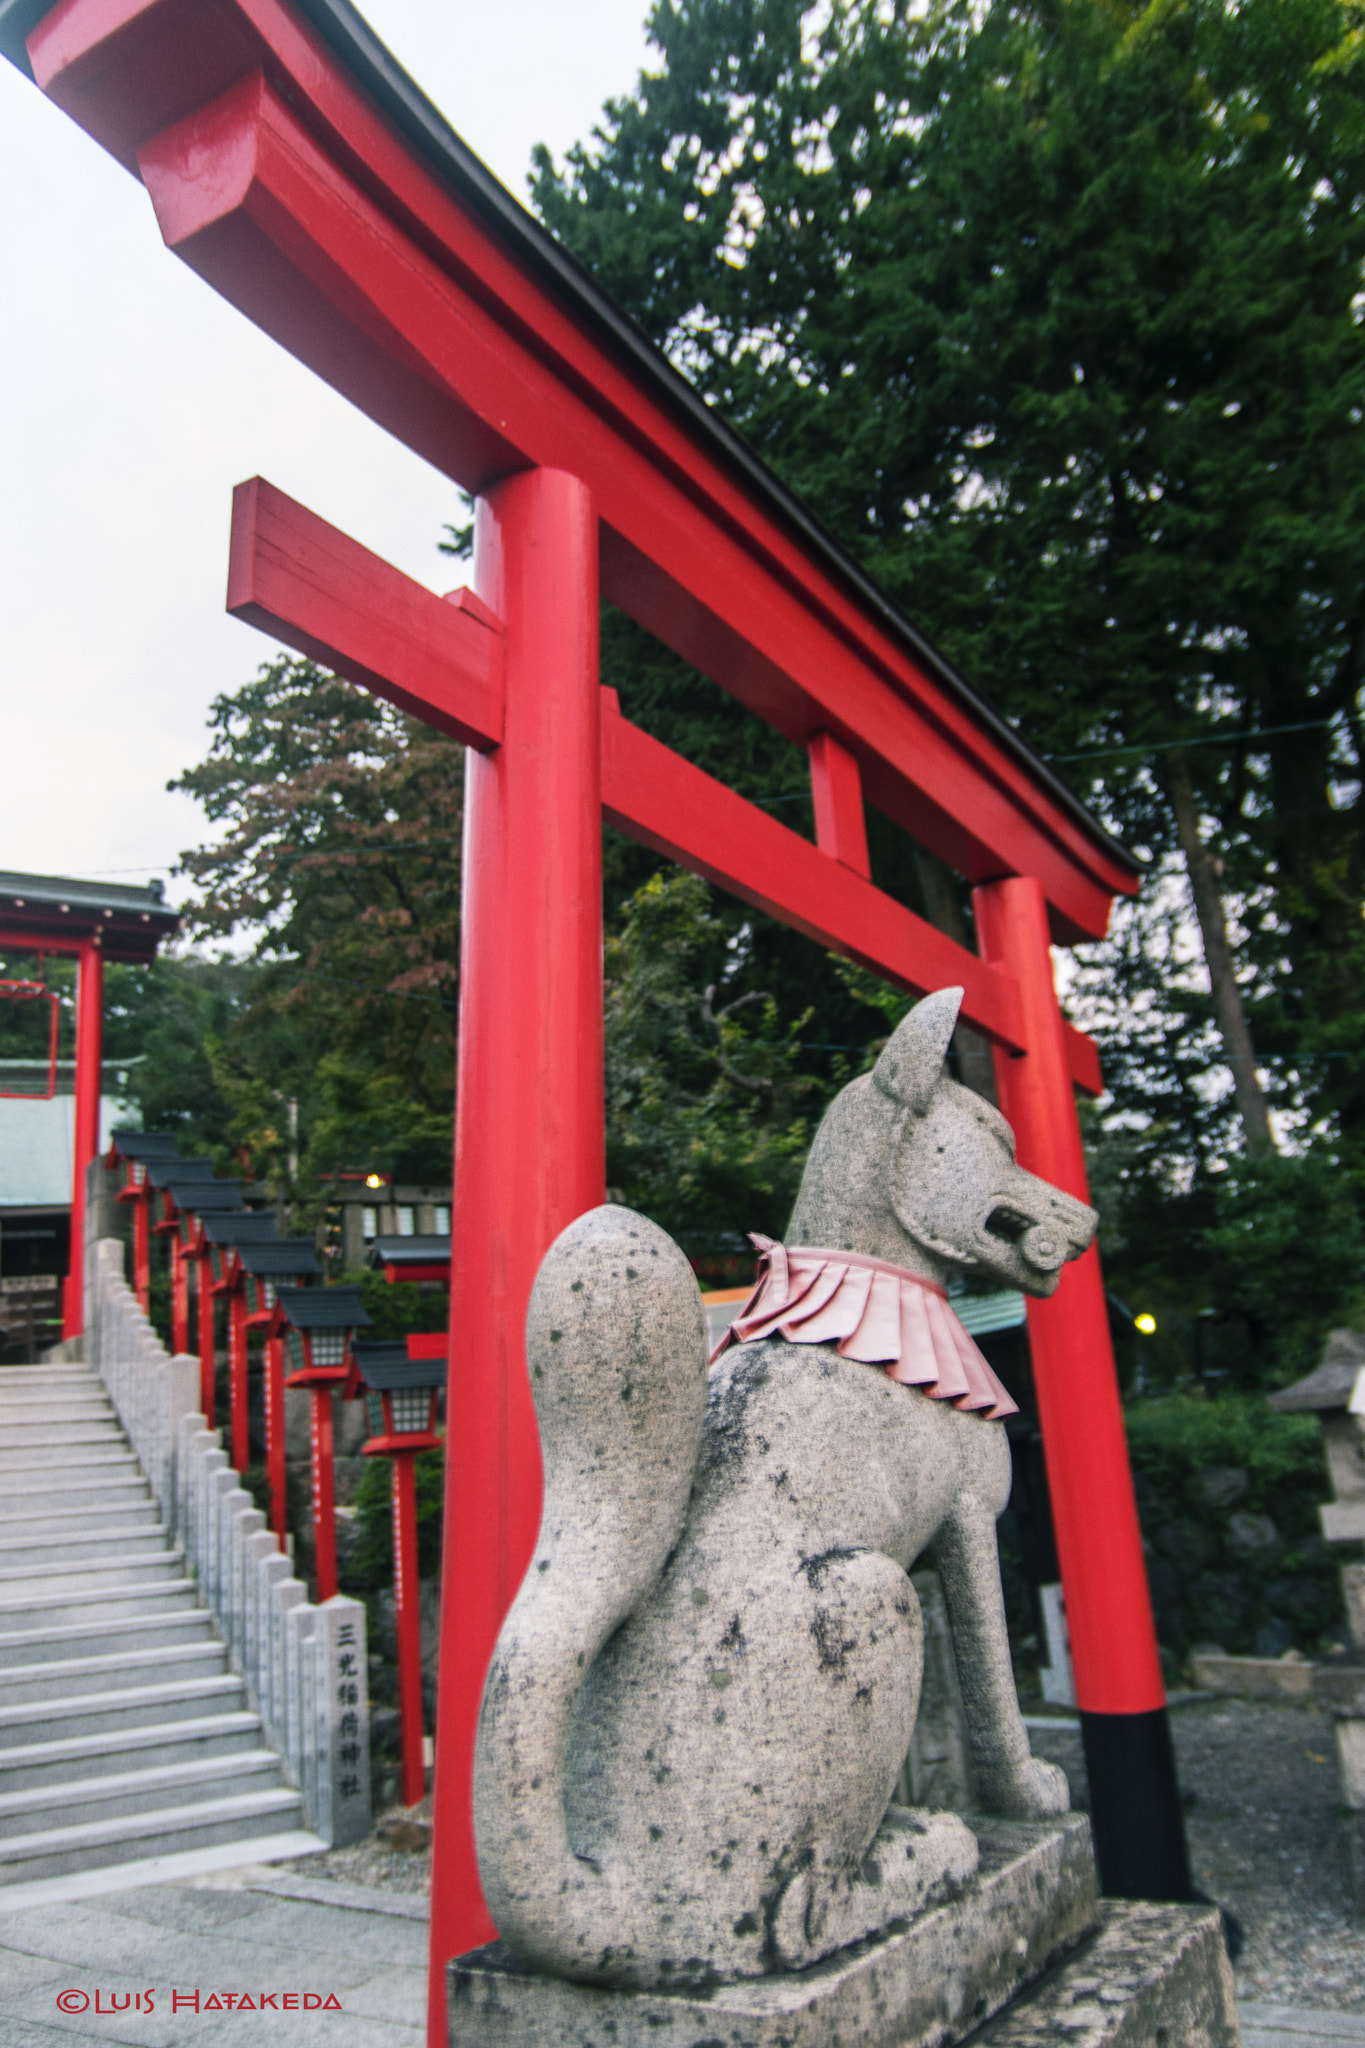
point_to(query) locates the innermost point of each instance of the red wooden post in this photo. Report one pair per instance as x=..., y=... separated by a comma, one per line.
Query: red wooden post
x=836, y=786
x=408, y=1623
x=1139, y=1831
x=89, y=1022
x=142, y=1249
x=208, y=1355
x=324, y=1494
x=529, y=1143
x=237, y=1373
x=274, y=1433
x=180, y=1309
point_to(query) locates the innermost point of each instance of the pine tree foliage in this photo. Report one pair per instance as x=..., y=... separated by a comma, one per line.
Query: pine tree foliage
x=1053, y=309
x=338, y=859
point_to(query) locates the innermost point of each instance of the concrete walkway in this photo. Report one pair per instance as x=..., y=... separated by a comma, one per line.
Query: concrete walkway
x=249, y=1932
x=229, y=1938
x=1290, y=2026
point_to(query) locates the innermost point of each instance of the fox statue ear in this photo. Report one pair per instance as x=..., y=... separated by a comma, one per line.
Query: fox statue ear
x=912, y=1057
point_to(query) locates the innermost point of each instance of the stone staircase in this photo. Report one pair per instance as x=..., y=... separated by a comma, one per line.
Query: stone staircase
x=126, y=1743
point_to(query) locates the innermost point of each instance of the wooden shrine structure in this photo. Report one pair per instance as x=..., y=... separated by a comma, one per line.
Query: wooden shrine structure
x=92, y=922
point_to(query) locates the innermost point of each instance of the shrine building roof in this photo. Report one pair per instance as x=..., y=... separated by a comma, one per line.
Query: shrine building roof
x=61, y=911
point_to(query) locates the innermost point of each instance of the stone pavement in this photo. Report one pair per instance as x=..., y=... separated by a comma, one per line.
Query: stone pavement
x=229, y=1938
x=1291, y=2026
x=244, y=1933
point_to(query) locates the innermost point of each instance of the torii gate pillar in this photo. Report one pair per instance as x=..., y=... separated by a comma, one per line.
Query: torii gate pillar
x=529, y=1114
x=89, y=1053
x=1136, y=1813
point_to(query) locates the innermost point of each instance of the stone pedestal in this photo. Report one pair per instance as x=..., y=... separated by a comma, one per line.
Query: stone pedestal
x=922, y=1985
x=1144, y=1977
x=1026, y=1957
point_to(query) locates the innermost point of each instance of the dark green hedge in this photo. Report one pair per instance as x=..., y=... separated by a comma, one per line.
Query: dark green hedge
x=1228, y=1494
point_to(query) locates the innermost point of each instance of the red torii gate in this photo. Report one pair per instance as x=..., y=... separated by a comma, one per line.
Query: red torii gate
x=294, y=166
x=95, y=922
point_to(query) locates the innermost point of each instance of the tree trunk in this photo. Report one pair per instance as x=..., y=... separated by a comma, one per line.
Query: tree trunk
x=1228, y=1010
x=944, y=909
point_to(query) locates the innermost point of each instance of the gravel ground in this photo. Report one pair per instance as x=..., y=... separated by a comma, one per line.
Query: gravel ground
x=1261, y=1792
x=379, y=1861
x=1262, y=1810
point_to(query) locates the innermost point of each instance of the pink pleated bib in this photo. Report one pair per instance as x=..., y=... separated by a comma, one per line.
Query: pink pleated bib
x=870, y=1311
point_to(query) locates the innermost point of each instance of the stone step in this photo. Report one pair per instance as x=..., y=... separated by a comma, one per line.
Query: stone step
x=68, y=1505
x=69, y=1486
x=24, y=1422
x=117, y=1602
x=179, y=1867
x=109, y=1454
x=75, y=1383
x=132, y=1837
x=49, y=1375
x=56, y=1408
x=87, y=1576
x=57, y=1551
x=55, y=1434
x=108, y=1522
x=125, y=1739
x=140, y=1791
x=96, y=1634
x=97, y=1756
x=97, y=1713
x=63, y=1678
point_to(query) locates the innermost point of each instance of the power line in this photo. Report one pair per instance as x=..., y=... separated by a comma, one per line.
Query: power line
x=1213, y=739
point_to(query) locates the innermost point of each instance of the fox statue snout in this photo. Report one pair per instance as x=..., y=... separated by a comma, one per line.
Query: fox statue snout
x=950, y=1199
x=703, y=1694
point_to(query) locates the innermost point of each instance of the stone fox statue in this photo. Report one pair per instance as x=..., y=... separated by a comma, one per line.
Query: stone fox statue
x=704, y=1692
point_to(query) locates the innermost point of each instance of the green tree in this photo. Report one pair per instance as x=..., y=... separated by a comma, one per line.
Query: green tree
x=710, y=1105
x=1053, y=308
x=338, y=857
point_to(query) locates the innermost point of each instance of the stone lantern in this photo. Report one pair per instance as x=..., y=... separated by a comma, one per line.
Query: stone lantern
x=263, y=1267
x=1335, y=1393
x=164, y=1176
x=222, y=1236
x=318, y=1326
x=132, y=1150
x=401, y=1398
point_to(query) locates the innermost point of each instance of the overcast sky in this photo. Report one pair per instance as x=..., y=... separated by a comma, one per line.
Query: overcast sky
x=134, y=399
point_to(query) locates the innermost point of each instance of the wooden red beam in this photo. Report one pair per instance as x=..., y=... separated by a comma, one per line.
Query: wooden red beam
x=319, y=221
x=299, y=578
x=293, y=575
x=836, y=787
x=655, y=796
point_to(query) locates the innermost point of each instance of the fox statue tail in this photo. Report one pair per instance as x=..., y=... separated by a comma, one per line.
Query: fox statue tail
x=616, y=1344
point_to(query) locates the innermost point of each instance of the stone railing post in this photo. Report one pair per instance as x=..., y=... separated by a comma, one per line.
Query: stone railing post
x=341, y=1717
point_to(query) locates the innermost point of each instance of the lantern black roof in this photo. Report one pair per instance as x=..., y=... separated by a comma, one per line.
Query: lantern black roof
x=161, y=1172
x=240, y=1226
x=323, y=1308
x=200, y=1195
x=387, y=1367
x=409, y=1251
x=282, y=1255
x=144, y=1145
